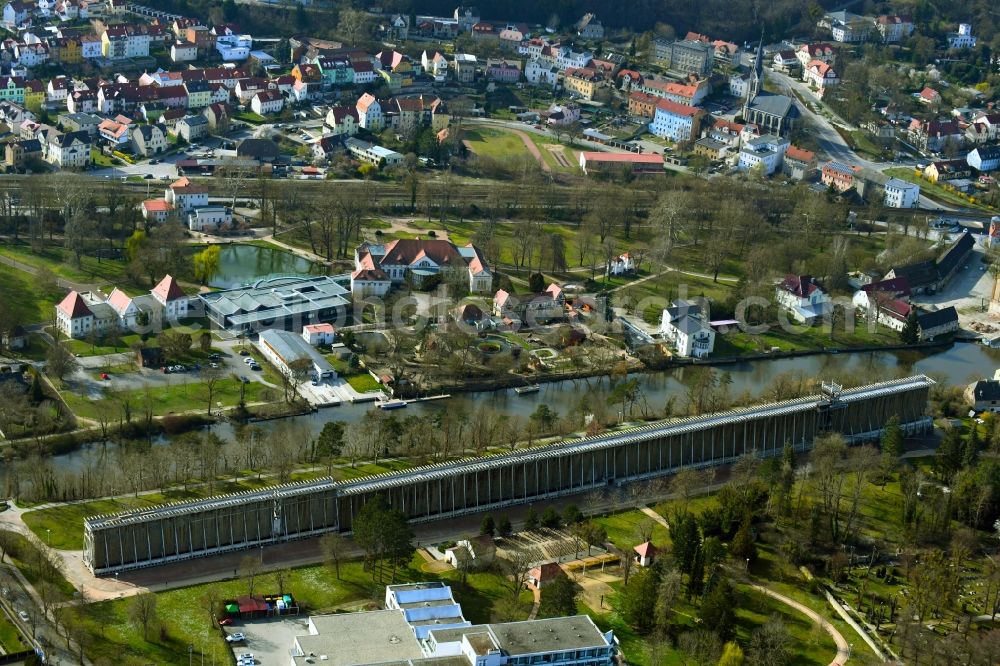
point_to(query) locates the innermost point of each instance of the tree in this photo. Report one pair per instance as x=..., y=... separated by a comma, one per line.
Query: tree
x=384, y=535
x=536, y=283
x=78, y=235
x=353, y=23
x=571, y=515
x=732, y=655
x=558, y=598
x=718, y=609
x=206, y=264
x=504, y=528
x=143, y=609
x=334, y=548
x=175, y=344
x=910, y=334
x=638, y=600
x=770, y=644
x=250, y=567
x=667, y=595
x=488, y=526
x=742, y=547
x=550, y=518
x=329, y=443
x=60, y=361
x=210, y=601
x=205, y=341
x=530, y=519
x=892, y=439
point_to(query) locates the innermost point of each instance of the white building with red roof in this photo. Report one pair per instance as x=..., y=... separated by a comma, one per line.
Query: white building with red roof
x=621, y=265
x=318, y=334
x=185, y=195
x=378, y=267
x=820, y=75
x=82, y=314
x=802, y=297
x=156, y=210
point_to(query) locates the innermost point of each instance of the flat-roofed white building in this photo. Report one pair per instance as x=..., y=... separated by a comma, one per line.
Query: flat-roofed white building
x=290, y=354
x=209, y=218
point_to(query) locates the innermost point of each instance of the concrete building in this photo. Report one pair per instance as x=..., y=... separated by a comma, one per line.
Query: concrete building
x=684, y=325
x=292, y=355
x=766, y=152
x=683, y=57
x=209, y=218
x=370, y=153
x=465, y=67
x=963, y=39
x=674, y=121
x=318, y=334
x=287, y=303
x=232, y=523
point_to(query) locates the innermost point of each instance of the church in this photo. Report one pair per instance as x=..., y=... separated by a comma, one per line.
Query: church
x=774, y=114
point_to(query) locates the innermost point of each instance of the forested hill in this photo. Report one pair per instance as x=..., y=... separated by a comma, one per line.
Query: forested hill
x=733, y=19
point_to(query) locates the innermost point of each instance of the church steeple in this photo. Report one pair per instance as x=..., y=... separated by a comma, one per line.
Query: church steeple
x=756, y=76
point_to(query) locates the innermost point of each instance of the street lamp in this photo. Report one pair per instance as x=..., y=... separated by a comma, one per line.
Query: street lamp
x=48, y=536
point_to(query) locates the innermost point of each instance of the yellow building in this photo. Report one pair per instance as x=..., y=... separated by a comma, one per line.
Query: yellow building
x=34, y=95
x=582, y=81
x=70, y=51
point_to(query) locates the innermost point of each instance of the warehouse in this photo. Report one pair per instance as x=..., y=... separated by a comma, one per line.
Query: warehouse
x=286, y=350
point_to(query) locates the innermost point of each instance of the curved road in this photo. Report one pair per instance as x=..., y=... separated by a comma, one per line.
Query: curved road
x=843, y=648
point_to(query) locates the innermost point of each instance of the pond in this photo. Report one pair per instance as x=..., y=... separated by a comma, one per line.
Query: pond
x=239, y=264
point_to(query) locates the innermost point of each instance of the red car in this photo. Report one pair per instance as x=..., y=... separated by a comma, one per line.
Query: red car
x=105, y=376
x=225, y=622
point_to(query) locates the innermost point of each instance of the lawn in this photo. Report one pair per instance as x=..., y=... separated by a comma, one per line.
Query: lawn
x=27, y=555
x=10, y=637
x=809, y=644
x=186, y=395
x=22, y=296
x=494, y=143
x=363, y=383
x=933, y=190
x=117, y=637
x=622, y=529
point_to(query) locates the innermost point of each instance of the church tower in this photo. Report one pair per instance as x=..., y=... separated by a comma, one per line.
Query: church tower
x=756, y=79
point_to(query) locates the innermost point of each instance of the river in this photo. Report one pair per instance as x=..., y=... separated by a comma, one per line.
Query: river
x=958, y=364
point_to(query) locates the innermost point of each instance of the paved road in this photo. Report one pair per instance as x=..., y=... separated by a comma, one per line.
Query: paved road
x=843, y=647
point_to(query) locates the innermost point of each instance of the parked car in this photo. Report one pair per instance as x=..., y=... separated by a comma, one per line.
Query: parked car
x=244, y=352
x=249, y=361
x=255, y=366
x=225, y=622
x=236, y=638
x=244, y=380
x=24, y=616
x=105, y=376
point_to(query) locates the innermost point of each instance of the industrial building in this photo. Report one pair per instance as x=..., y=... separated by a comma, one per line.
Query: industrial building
x=285, y=349
x=227, y=523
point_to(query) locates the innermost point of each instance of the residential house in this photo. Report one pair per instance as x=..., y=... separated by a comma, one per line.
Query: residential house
x=530, y=310
x=847, y=27
x=820, y=75
x=263, y=151
x=984, y=395
x=710, y=148
x=582, y=81
x=191, y=127
x=210, y=218
x=342, y=120
x=465, y=67
x=246, y=88
x=79, y=315
x=815, y=51
x=802, y=297
x=369, y=113
x=34, y=95
x=218, y=116
x=19, y=153
x=183, y=52
x=16, y=14
x=937, y=323
x=684, y=325
x=435, y=64
x=80, y=122
x=563, y=115
x=124, y=41
x=642, y=105
x=589, y=27
x=543, y=575
x=766, y=152
x=837, y=176
x=503, y=71
x=185, y=195
x=894, y=28
x=267, y=102
x=156, y=210
x=407, y=260
x=364, y=72
x=885, y=301
x=947, y=170
x=149, y=140
x=12, y=89
x=318, y=334
x=786, y=62
x=91, y=46
x=70, y=150
x=799, y=164
x=984, y=158
x=538, y=72
x=963, y=39
x=929, y=96
x=115, y=131
x=58, y=89
x=677, y=122
x=473, y=554
x=328, y=146
x=901, y=194
x=984, y=128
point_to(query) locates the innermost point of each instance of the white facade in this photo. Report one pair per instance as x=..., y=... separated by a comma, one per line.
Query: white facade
x=209, y=217
x=768, y=150
x=963, y=39
x=901, y=194
x=370, y=113
x=673, y=123
x=318, y=334
x=266, y=103
x=541, y=73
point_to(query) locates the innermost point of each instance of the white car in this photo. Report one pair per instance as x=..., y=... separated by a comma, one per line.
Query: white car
x=249, y=360
x=24, y=616
x=236, y=638
x=246, y=659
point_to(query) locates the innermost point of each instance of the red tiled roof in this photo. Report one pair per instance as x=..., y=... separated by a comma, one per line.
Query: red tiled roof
x=168, y=289
x=796, y=153
x=119, y=300
x=646, y=549
x=676, y=108
x=73, y=306
x=157, y=205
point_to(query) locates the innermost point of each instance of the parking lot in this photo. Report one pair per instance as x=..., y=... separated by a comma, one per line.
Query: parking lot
x=269, y=640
